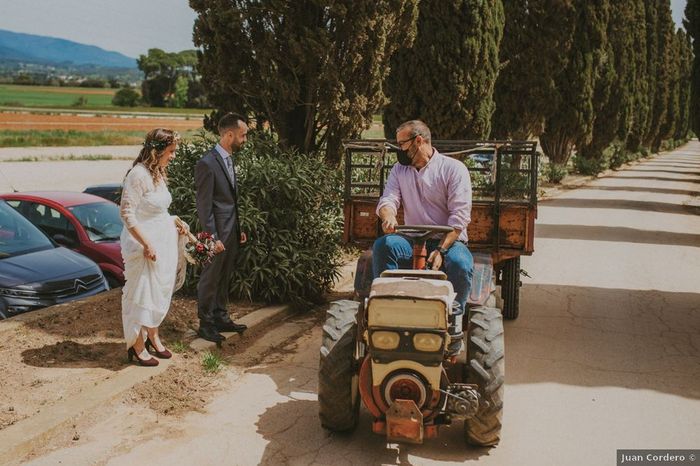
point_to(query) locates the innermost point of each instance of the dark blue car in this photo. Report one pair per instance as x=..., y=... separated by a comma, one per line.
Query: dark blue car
x=35, y=272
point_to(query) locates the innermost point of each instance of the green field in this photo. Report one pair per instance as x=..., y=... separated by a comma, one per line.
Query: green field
x=63, y=138
x=50, y=97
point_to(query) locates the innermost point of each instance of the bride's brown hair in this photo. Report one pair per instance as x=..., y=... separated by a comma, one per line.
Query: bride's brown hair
x=157, y=140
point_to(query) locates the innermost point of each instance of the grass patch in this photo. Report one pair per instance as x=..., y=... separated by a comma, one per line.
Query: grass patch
x=178, y=347
x=62, y=137
x=66, y=158
x=212, y=362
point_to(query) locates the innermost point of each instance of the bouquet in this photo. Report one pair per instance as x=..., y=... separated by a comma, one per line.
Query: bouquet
x=199, y=249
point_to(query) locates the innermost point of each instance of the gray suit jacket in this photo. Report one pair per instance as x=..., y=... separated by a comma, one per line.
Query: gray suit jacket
x=217, y=197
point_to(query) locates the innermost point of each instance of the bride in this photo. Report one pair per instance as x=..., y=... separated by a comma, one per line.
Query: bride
x=150, y=247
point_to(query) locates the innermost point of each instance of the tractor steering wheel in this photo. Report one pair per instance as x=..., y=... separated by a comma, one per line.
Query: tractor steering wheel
x=423, y=232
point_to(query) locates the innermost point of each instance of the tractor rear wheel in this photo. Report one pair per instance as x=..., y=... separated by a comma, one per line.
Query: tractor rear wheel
x=510, y=288
x=338, y=392
x=486, y=369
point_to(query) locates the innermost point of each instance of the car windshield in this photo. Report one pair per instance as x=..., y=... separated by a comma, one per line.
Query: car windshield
x=101, y=220
x=18, y=235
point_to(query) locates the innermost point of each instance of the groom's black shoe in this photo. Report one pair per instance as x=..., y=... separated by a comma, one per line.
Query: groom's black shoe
x=209, y=333
x=230, y=326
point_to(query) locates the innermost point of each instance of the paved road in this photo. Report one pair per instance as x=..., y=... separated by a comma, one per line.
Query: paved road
x=68, y=175
x=605, y=355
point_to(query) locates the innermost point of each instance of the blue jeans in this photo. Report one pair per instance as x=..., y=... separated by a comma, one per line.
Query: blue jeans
x=394, y=251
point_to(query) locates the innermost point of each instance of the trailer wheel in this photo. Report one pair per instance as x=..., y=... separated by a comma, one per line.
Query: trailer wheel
x=338, y=391
x=510, y=288
x=486, y=369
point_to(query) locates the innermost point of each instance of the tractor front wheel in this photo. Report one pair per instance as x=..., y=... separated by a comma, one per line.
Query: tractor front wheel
x=486, y=369
x=338, y=392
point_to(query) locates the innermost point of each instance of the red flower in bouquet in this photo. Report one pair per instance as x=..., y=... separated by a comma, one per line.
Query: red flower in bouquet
x=199, y=249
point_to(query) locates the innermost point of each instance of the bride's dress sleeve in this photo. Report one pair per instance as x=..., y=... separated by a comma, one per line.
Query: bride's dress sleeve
x=135, y=186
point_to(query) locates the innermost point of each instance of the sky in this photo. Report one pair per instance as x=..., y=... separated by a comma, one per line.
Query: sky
x=127, y=26
x=130, y=27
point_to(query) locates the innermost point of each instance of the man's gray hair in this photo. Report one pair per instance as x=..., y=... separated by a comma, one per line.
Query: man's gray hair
x=417, y=127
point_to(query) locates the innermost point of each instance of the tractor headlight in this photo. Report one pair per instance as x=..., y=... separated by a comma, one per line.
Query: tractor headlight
x=384, y=340
x=427, y=342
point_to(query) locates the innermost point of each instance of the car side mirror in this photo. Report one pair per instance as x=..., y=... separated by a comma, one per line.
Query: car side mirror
x=63, y=240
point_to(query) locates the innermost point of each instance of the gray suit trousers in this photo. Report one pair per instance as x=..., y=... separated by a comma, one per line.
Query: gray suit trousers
x=213, y=286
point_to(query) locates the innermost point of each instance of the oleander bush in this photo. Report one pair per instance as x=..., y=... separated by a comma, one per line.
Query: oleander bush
x=290, y=207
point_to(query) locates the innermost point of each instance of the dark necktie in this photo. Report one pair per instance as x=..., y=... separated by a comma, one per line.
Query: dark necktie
x=229, y=165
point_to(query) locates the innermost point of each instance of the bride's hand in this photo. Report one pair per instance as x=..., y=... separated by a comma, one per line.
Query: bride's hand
x=149, y=252
x=182, y=228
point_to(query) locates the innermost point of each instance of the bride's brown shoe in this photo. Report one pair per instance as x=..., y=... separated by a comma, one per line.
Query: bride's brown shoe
x=165, y=354
x=144, y=362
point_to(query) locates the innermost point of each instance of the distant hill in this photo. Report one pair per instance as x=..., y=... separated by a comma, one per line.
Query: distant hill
x=30, y=48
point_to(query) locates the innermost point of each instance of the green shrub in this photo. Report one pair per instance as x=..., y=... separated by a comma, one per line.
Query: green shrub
x=126, y=97
x=555, y=172
x=619, y=156
x=590, y=167
x=290, y=207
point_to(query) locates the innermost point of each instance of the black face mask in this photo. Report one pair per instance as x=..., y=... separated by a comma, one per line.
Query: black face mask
x=404, y=156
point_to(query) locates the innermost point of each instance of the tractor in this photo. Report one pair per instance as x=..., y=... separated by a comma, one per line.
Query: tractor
x=403, y=347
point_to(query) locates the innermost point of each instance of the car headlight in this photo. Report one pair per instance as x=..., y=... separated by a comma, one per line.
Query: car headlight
x=384, y=340
x=427, y=342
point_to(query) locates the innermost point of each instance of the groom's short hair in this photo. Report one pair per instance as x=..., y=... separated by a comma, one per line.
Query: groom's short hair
x=230, y=121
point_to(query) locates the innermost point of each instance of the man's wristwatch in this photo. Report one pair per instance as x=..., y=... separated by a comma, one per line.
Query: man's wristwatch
x=442, y=251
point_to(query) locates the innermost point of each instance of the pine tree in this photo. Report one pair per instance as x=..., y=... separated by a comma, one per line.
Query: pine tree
x=535, y=49
x=692, y=26
x=313, y=69
x=447, y=77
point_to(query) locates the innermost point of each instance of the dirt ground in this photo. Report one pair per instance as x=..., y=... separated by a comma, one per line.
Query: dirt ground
x=54, y=353
x=19, y=121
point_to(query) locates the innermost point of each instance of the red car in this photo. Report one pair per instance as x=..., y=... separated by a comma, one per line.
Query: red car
x=86, y=223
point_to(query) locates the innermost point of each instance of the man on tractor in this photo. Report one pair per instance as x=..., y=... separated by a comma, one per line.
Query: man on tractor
x=434, y=190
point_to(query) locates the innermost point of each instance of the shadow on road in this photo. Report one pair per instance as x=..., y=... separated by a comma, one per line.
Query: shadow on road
x=623, y=204
x=656, y=170
x=295, y=436
x=650, y=178
x=586, y=336
x=638, y=189
x=616, y=234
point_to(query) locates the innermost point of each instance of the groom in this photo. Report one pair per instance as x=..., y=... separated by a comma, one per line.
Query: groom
x=217, y=209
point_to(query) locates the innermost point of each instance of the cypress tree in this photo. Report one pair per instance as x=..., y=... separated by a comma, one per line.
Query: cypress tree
x=535, y=49
x=447, y=77
x=662, y=65
x=692, y=26
x=684, y=82
x=314, y=69
x=667, y=126
x=612, y=55
x=640, y=82
x=571, y=120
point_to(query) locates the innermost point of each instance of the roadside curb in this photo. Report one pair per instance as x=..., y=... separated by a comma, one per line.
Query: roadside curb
x=255, y=321
x=20, y=438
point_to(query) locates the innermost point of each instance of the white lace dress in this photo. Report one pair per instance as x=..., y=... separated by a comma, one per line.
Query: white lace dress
x=149, y=285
